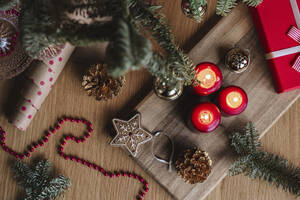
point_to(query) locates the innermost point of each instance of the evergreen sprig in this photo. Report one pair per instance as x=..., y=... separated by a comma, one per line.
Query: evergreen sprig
x=128, y=49
x=38, y=182
x=48, y=22
x=95, y=8
x=42, y=25
x=7, y=4
x=182, y=68
x=36, y=26
x=197, y=7
x=252, y=2
x=225, y=6
x=256, y=163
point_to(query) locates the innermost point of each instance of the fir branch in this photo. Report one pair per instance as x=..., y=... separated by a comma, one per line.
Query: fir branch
x=55, y=188
x=197, y=7
x=247, y=143
x=159, y=68
x=23, y=174
x=42, y=25
x=39, y=30
x=252, y=2
x=7, y=4
x=239, y=166
x=256, y=163
x=95, y=8
x=86, y=34
x=275, y=170
x=35, y=25
x=37, y=181
x=41, y=173
x=197, y=3
x=153, y=21
x=127, y=50
x=225, y=6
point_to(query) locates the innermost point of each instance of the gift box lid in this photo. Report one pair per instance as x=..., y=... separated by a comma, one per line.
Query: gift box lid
x=273, y=21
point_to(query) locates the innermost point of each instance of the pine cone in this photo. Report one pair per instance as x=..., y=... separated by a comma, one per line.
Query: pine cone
x=194, y=166
x=97, y=83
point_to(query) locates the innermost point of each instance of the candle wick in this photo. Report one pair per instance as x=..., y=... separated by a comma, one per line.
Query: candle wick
x=208, y=76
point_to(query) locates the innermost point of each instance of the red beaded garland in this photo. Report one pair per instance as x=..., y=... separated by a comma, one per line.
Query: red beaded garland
x=45, y=139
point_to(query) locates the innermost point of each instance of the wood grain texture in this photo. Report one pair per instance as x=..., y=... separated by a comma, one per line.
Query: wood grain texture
x=264, y=108
x=67, y=97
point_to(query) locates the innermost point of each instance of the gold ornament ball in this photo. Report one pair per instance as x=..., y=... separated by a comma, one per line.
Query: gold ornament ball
x=166, y=92
x=194, y=166
x=237, y=60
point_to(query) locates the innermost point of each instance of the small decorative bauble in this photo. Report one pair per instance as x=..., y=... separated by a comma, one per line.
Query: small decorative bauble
x=237, y=60
x=99, y=84
x=13, y=58
x=194, y=166
x=193, y=11
x=166, y=92
x=8, y=36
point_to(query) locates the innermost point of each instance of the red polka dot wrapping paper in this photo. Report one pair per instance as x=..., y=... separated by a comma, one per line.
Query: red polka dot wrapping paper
x=40, y=79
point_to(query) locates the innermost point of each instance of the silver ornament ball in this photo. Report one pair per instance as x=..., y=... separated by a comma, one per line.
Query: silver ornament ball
x=237, y=60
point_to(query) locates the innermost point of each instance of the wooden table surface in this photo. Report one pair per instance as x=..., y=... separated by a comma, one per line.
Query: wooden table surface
x=68, y=98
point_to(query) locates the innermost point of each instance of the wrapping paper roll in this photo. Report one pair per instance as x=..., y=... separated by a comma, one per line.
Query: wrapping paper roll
x=41, y=78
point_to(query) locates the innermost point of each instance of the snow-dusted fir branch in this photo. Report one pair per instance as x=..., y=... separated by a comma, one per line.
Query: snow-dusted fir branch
x=38, y=182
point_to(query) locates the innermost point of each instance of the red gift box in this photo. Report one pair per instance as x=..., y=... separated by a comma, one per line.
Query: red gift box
x=273, y=20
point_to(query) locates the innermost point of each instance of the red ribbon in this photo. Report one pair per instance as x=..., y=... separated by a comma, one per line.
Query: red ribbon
x=294, y=33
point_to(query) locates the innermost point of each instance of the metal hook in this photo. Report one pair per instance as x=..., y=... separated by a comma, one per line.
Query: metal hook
x=167, y=162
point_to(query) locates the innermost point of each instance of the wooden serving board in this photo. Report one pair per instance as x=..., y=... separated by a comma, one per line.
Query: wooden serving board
x=265, y=107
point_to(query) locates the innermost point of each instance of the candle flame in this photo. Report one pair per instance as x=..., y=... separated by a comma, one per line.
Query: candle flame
x=207, y=78
x=206, y=117
x=234, y=99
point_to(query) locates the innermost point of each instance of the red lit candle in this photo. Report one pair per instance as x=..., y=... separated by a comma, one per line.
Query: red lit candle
x=206, y=117
x=232, y=100
x=208, y=79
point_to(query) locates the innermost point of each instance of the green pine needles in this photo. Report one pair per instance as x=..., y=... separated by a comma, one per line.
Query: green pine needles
x=38, y=182
x=133, y=24
x=223, y=6
x=252, y=2
x=128, y=49
x=256, y=163
x=7, y=4
x=198, y=8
